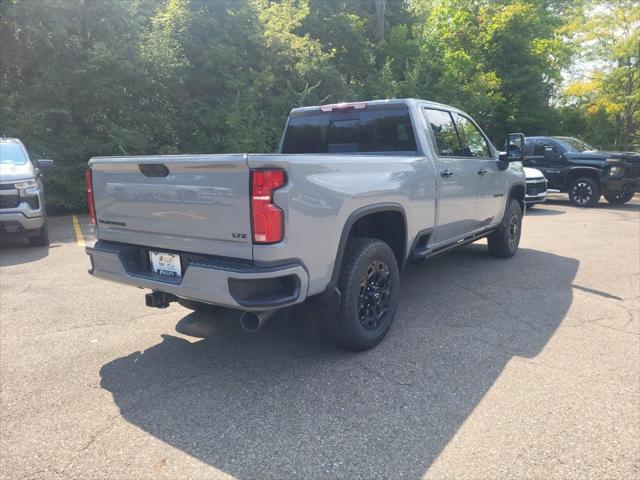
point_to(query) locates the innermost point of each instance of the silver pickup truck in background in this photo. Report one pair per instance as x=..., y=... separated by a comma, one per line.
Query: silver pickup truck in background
x=22, y=207
x=356, y=191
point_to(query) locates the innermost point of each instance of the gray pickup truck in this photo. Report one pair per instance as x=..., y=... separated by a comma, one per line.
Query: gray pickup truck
x=356, y=191
x=22, y=207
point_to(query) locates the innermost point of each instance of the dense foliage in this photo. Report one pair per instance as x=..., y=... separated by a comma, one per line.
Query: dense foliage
x=101, y=77
x=604, y=106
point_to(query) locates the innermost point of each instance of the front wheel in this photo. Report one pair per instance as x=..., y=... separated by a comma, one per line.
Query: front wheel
x=369, y=283
x=504, y=241
x=41, y=239
x=619, y=198
x=584, y=192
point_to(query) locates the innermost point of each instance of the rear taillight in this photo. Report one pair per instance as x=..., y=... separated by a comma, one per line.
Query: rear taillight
x=90, y=203
x=267, y=219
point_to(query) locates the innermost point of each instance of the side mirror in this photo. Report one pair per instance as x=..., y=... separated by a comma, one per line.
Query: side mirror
x=514, y=146
x=44, y=164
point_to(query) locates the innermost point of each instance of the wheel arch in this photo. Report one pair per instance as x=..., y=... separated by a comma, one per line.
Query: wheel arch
x=517, y=192
x=578, y=172
x=384, y=221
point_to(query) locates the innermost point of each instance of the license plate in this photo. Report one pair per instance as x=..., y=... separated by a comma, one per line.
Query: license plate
x=166, y=264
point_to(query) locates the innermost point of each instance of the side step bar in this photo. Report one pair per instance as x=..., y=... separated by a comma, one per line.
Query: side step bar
x=426, y=252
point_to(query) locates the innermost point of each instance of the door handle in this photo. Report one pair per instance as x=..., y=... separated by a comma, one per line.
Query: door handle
x=446, y=173
x=482, y=171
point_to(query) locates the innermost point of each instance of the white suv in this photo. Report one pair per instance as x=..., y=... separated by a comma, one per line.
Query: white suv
x=536, y=187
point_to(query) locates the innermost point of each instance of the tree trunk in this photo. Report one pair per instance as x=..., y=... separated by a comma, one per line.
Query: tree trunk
x=380, y=8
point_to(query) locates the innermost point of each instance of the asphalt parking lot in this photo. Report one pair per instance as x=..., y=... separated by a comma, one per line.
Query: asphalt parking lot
x=520, y=368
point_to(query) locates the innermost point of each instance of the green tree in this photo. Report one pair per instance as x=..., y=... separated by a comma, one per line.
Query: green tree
x=80, y=78
x=607, y=35
x=71, y=86
x=500, y=61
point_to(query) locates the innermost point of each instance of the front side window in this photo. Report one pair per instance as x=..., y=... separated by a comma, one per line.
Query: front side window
x=574, y=145
x=444, y=132
x=367, y=131
x=473, y=142
x=12, y=153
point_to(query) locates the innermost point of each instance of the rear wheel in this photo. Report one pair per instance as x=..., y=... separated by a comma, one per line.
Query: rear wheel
x=504, y=241
x=584, y=192
x=369, y=283
x=619, y=198
x=41, y=239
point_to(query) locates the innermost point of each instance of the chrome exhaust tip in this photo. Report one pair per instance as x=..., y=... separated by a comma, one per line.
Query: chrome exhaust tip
x=252, y=321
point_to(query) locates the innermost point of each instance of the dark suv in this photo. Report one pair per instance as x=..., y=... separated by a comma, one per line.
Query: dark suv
x=572, y=166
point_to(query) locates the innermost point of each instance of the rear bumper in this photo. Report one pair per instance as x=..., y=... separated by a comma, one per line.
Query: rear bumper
x=215, y=280
x=619, y=185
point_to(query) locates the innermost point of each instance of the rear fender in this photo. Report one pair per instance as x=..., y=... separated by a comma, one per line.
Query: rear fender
x=353, y=218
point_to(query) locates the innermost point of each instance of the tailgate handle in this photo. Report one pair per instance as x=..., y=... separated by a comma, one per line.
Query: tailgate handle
x=154, y=169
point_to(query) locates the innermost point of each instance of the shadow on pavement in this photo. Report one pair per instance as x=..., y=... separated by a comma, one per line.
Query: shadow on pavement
x=633, y=205
x=285, y=403
x=542, y=212
x=15, y=249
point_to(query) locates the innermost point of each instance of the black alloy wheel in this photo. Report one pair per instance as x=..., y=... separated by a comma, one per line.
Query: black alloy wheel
x=375, y=295
x=504, y=241
x=619, y=198
x=514, y=229
x=584, y=192
x=369, y=285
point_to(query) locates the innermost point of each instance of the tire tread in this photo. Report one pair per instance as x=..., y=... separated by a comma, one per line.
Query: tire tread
x=41, y=239
x=498, y=242
x=343, y=331
x=615, y=200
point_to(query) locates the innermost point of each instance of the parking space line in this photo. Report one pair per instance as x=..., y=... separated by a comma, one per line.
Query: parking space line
x=76, y=227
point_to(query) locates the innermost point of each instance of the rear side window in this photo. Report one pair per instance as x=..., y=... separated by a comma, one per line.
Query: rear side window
x=444, y=131
x=370, y=130
x=542, y=146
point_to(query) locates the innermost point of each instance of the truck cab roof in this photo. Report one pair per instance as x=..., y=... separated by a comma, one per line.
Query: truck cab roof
x=364, y=104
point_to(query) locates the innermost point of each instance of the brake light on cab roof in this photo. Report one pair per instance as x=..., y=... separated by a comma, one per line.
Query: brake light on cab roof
x=343, y=106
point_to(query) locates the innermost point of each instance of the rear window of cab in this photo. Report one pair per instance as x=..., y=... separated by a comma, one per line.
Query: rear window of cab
x=369, y=130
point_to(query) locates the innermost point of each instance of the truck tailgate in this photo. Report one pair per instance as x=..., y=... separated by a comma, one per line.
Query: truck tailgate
x=192, y=203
